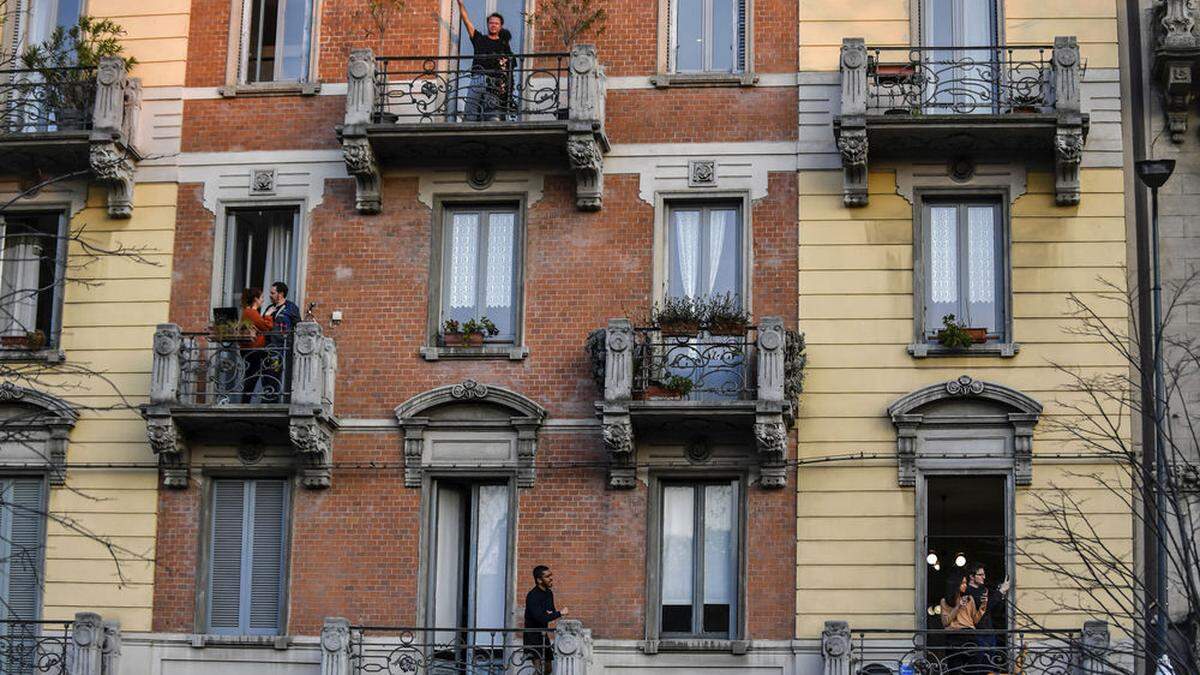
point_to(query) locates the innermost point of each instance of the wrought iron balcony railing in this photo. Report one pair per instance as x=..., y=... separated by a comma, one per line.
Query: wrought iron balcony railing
x=32, y=101
x=464, y=89
x=959, y=80
x=362, y=650
x=962, y=652
x=29, y=647
x=960, y=103
x=476, y=112
x=224, y=370
x=711, y=366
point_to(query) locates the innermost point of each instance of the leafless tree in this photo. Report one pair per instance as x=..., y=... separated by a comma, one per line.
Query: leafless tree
x=1097, y=572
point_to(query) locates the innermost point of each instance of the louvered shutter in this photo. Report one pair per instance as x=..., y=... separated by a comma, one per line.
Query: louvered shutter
x=225, y=560
x=739, y=63
x=25, y=559
x=266, y=559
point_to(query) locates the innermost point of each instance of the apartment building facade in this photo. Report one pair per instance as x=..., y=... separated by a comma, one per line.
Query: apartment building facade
x=789, y=490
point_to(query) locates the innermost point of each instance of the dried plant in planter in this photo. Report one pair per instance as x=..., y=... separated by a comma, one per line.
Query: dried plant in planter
x=678, y=316
x=723, y=314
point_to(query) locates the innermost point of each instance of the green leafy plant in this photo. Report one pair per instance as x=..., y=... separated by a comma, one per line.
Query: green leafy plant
x=953, y=335
x=35, y=339
x=723, y=314
x=678, y=315
x=481, y=326
x=450, y=326
x=65, y=63
x=677, y=385
x=233, y=330
x=566, y=20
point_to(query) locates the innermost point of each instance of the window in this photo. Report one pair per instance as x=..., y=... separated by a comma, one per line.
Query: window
x=470, y=556
x=247, y=557
x=514, y=15
x=967, y=79
x=276, y=40
x=958, y=23
x=965, y=266
x=699, y=560
x=46, y=15
x=30, y=277
x=260, y=249
x=708, y=36
x=22, y=536
x=704, y=245
x=481, y=267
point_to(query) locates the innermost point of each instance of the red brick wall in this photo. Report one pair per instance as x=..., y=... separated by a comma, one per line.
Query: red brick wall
x=175, y=573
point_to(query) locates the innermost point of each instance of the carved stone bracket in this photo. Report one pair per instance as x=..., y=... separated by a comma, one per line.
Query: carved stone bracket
x=835, y=647
x=617, y=430
x=852, y=129
x=85, y=647
x=587, y=161
x=770, y=437
x=168, y=445
x=360, y=163
x=335, y=647
x=1177, y=51
x=113, y=167
x=313, y=442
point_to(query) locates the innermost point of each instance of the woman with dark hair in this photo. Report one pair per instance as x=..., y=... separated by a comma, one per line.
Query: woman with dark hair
x=959, y=616
x=254, y=350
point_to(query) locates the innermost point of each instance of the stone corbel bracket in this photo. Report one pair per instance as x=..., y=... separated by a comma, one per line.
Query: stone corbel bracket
x=111, y=156
x=1071, y=126
x=1177, y=50
x=311, y=423
x=587, y=141
x=356, y=147
x=851, y=130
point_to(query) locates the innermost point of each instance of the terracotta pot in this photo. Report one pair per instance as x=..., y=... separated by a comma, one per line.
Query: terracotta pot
x=661, y=393
x=452, y=339
x=473, y=339
x=680, y=329
x=14, y=342
x=728, y=328
x=978, y=335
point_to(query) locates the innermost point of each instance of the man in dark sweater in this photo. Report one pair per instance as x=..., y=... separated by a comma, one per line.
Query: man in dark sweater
x=539, y=612
x=490, y=88
x=988, y=658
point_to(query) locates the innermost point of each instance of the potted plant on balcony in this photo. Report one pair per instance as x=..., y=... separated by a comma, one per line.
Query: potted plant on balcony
x=376, y=16
x=674, y=387
x=239, y=331
x=65, y=69
x=468, y=334
x=724, y=315
x=32, y=340
x=956, y=336
x=678, y=316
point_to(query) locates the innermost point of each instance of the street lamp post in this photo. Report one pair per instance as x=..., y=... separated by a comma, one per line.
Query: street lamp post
x=1154, y=173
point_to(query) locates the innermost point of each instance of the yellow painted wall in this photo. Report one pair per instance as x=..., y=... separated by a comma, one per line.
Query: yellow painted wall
x=823, y=24
x=108, y=324
x=856, y=527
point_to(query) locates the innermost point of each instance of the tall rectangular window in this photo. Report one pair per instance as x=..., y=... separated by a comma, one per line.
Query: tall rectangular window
x=470, y=557
x=481, y=267
x=708, y=36
x=22, y=548
x=276, y=40
x=247, y=557
x=699, y=567
x=33, y=246
x=704, y=250
x=967, y=73
x=260, y=249
x=965, y=265
x=46, y=15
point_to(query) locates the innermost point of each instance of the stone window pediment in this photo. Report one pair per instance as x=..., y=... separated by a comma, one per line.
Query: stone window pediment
x=470, y=427
x=965, y=424
x=36, y=426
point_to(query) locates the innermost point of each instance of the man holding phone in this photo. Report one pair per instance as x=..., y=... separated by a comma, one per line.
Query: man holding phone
x=988, y=656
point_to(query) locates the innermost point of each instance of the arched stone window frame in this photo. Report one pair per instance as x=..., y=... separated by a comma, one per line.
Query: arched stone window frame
x=42, y=413
x=524, y=422
x=963, y=408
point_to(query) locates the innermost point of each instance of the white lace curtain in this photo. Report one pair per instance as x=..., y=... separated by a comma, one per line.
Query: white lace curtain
x=704, y=251
x=19, y=289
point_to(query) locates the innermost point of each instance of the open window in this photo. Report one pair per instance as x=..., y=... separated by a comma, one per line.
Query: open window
x=965, y=525
x=707, y=36
x=469, y=557
x=276, y=40
x=31, y=273
x=261, y=247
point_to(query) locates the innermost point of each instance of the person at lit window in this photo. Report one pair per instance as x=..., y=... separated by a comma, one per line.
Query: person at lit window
x=490, y=89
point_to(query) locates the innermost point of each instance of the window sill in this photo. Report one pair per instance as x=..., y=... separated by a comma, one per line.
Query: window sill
x=270, y=89
x=511, y=353
x=202, y=640
x=1005, y=350
x=667, y=80
x=32, y=356
x=734, y=647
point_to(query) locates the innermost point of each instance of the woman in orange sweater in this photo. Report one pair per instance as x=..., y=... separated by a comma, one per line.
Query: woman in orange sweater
x=959, y=615
x=253, y=351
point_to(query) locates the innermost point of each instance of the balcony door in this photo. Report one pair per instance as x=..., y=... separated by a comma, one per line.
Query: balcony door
x=27, y=105
x=514, y=12
x=960, y=69
x=260, y=249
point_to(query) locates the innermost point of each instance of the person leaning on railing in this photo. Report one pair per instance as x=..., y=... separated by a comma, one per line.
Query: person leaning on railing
x=490, y=89
x=253, y=350
x=959, y=616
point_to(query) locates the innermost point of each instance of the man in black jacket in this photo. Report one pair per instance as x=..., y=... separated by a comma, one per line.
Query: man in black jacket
x=539, y=612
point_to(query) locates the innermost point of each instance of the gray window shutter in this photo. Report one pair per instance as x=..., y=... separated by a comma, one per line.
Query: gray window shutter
x=225, y=560
x=25, y=561
x=740, y=63
x=266, y=560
